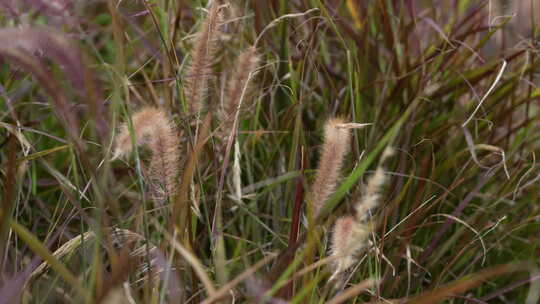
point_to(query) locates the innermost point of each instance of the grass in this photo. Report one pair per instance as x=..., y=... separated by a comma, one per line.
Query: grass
x=452, y=87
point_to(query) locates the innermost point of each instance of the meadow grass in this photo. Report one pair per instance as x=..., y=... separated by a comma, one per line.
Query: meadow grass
x=211, y=152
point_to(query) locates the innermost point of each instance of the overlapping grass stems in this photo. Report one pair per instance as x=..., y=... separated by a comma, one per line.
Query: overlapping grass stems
x=213, y=153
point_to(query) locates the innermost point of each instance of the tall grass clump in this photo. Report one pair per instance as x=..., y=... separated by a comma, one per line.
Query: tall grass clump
x=213, y=151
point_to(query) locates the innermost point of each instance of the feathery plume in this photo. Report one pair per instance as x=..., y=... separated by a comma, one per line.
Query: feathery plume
x=204, y=49
x=335, y=146
x=238, y=84
x=348, y=237
x=372, y=193
x=153, y=128
x=350, y=233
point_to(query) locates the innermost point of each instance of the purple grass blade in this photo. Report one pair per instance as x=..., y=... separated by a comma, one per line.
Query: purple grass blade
x=11, y=291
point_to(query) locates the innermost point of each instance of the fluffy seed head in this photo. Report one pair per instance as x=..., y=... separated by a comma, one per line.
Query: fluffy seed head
x=144, y=123
x=153, y=128
x=202, y=55
x=351, y=233
x=348, y=238
x=238, y=86
x=371, y=197
x=335, y=147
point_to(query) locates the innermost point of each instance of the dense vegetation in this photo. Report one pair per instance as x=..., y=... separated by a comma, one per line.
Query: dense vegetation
x=183, y=152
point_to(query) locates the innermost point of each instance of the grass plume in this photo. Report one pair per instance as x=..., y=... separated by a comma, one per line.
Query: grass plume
x=153, y=128
x=350, y=234
x=202, y=57
x=238, y=85
x=336, y=145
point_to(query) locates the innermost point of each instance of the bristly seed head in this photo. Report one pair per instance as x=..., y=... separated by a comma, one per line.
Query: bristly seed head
x=351, y=233
x=202, y=56
x=348, y=237
x=153, y=128
x=238, y=86
x=337, y=138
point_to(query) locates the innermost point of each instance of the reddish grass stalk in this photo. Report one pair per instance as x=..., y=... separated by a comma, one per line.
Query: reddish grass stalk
x=295, y=225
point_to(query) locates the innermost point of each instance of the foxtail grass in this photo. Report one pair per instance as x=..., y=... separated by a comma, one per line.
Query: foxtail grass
x=201, y=59
x=238, y=86
x=351, y=232
x=153, y=128
x=336, y=145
